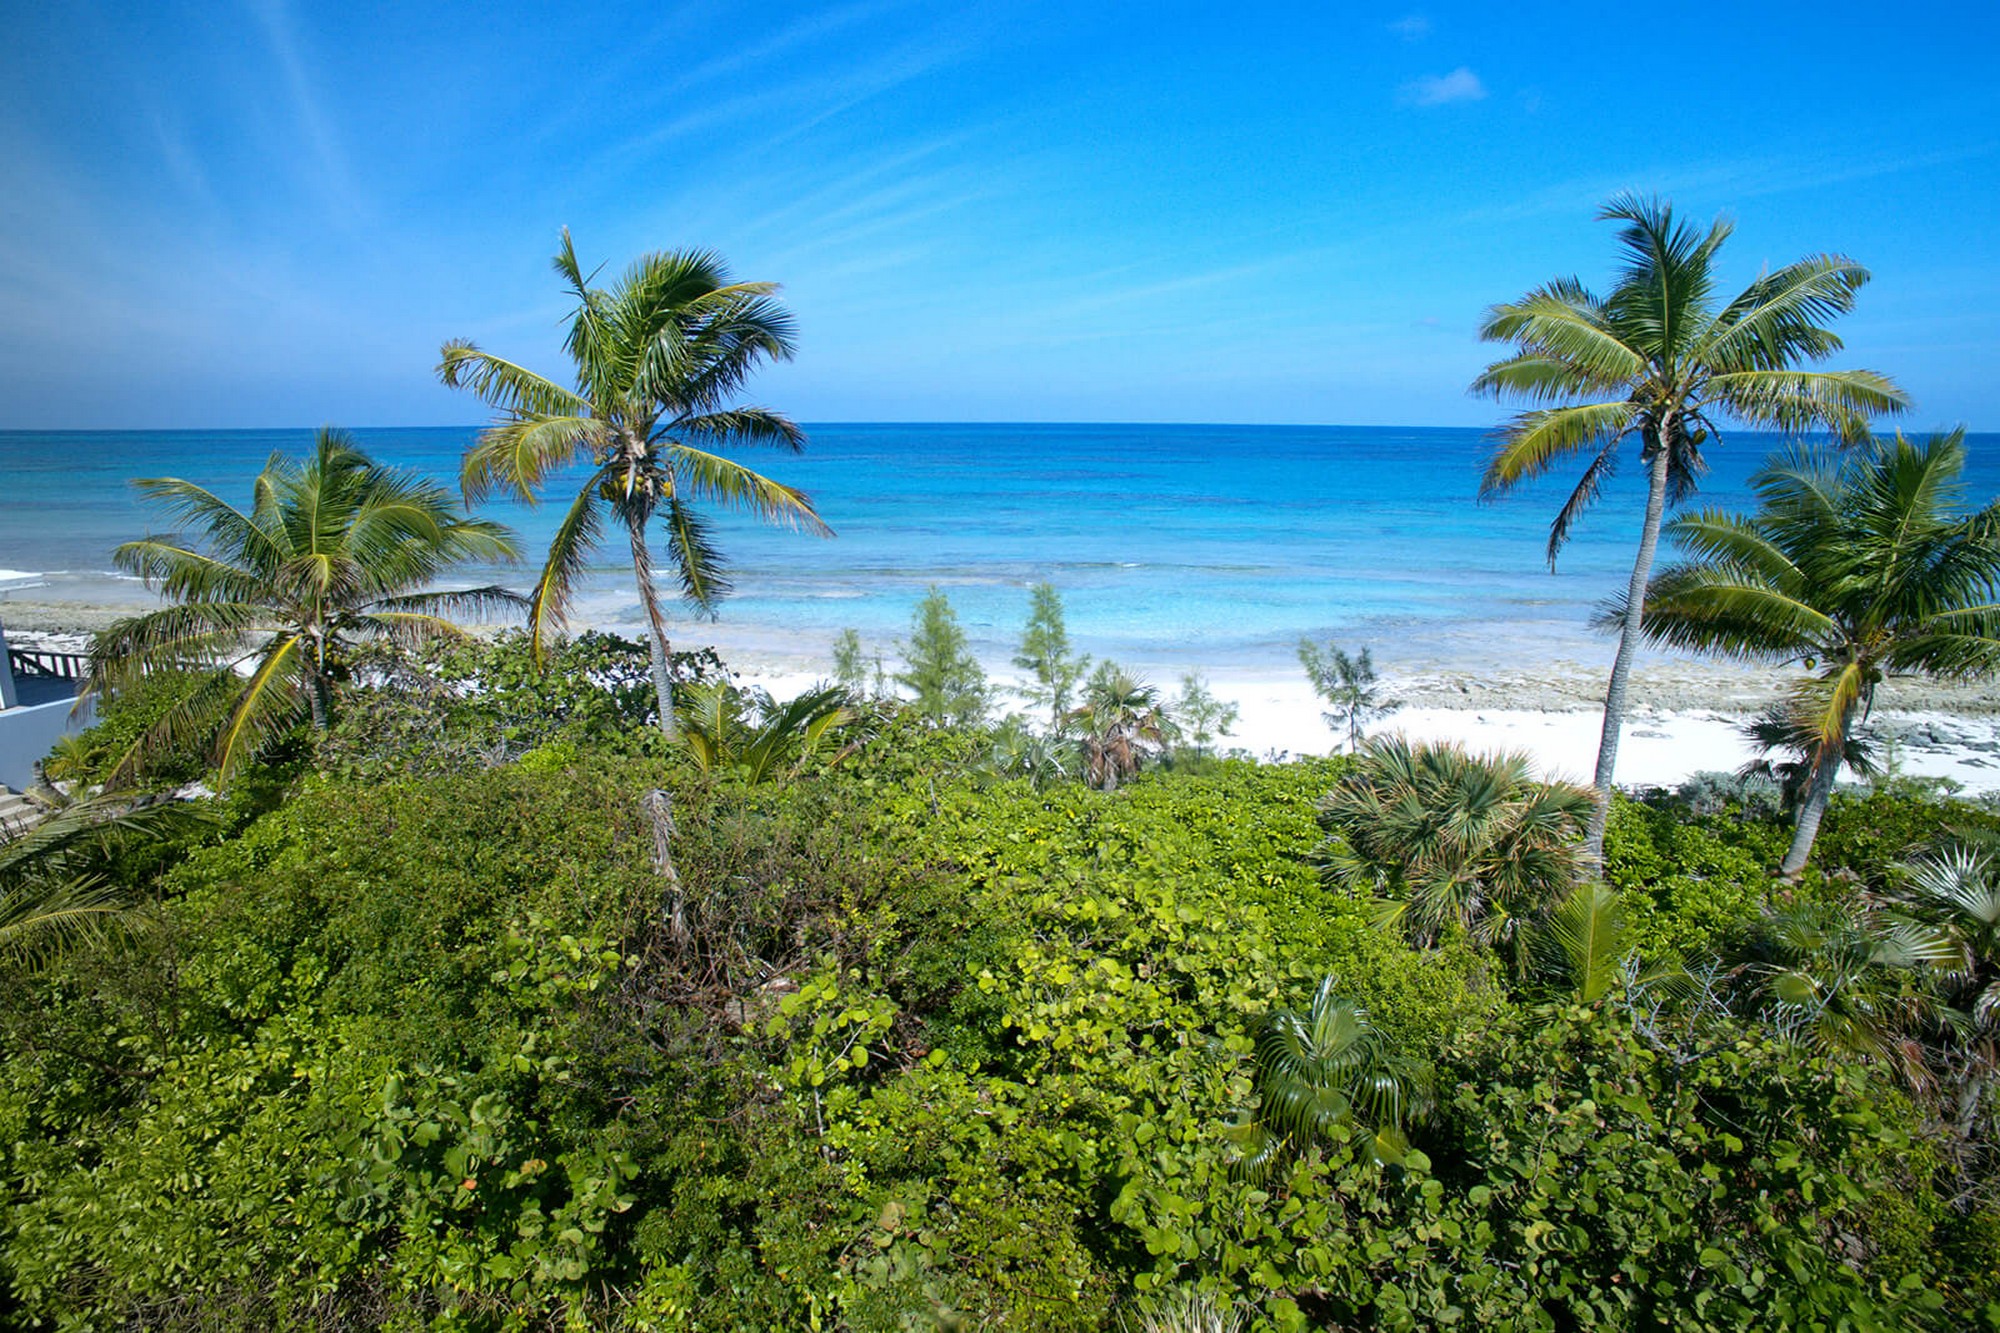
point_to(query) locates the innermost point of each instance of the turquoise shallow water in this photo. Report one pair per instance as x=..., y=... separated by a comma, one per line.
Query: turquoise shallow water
x=1213, y=544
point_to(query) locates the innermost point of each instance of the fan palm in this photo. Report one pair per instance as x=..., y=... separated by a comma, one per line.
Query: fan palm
x=268, y=603
x=1121, y=721
x=1849, y=982
x=658, y=358
x=1447, y=837
x=1324, y=1074
x=1865, y=566
x=1958, y=887
x=1654, y=361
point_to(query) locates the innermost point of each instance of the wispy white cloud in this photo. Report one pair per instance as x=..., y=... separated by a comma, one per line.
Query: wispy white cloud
x=334, y=179
x=1411, y=27
x=1740, y=178
x=787, y=39
x=789, y=107
x=1461, y=85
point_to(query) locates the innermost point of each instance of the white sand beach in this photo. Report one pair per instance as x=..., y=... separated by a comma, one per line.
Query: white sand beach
x=1687, y=716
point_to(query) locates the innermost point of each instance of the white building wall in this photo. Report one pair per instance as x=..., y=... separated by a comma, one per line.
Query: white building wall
x=26, y=735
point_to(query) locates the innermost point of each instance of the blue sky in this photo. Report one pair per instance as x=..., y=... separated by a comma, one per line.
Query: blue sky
x=257, y=214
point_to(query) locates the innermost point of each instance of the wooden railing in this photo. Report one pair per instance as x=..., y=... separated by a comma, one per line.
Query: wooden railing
x=37, y=663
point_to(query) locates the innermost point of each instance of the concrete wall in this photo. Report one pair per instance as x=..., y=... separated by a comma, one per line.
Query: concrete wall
x=27, y=733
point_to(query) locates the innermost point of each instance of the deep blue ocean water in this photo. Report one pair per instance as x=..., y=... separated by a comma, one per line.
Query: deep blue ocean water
x=1221, y=545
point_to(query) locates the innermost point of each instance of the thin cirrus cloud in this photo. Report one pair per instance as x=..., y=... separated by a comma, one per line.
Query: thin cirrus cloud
x=1461, y=85
x=1411, y=27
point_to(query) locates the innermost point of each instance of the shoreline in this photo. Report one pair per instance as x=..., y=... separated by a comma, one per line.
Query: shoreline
x=1686, y=715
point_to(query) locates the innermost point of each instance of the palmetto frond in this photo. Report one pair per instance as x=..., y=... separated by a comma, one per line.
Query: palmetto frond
x=1957, y=887
x=1846, y=982
x=1326, y=1073
x=1463, y=839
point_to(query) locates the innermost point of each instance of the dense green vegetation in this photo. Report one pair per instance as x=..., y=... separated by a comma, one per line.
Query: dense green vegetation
x=454, y=1035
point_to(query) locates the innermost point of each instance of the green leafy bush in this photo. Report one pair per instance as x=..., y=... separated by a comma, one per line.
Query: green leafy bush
x=893, y=1047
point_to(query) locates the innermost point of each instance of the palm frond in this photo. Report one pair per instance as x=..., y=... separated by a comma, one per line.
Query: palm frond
x=272, y=699
x=1535, y=441
x=246, y=539
x=195, y=634
x=519, y=455
x=743, y=426
x=697, y=561
x=1559, y=322
x=1777, y=321
x=708, y=476
x=46, y=914
x=570, y=546
x=1844, y=401
x=193, y=718
x=502, y=384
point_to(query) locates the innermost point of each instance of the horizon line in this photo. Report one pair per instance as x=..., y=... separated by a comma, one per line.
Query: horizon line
x=912, y=421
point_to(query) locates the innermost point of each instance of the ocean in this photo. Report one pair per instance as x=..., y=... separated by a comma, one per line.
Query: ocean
x=1173, y=546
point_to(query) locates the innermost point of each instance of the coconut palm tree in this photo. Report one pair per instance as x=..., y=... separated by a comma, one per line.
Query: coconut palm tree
x=269, y=603
x=1326, y=1073
x=658, y=358
x=1446, y=837
x=1864, y=566
x=1656, y=362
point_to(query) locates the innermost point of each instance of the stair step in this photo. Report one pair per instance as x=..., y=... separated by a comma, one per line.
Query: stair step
x=16, y=811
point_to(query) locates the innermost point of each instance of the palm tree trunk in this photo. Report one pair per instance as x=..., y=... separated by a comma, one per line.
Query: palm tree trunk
x=1812, y=806
x=1628, y=642
x=656, y=639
